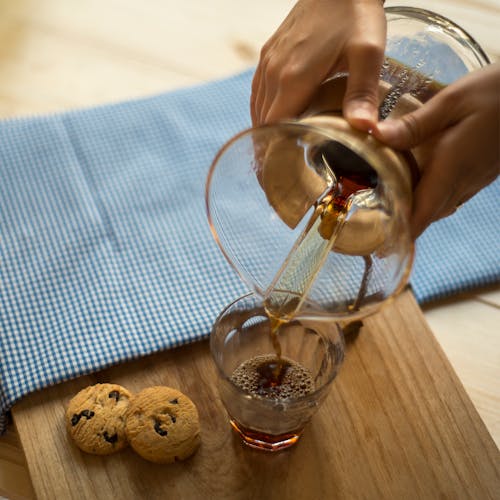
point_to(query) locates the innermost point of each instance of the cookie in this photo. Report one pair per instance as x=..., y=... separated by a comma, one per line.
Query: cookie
x=95, y=418
x=163, y=425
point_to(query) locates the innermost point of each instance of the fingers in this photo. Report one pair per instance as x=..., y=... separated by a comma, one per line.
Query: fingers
x=315, y=41
x=365, y=55
x=360, y=106
x=256, y=95
x=272, y=101
x=288, y=100
x=436, y=197
x=281, y=86
x=460, y=166
x=447, y=180
x=414, y=128
x=445, y=173
x=458, y=132
x=282, y=90
x=430, y=200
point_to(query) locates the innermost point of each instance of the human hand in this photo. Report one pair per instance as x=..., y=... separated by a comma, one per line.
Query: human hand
x=460, y=128
x=317, y=39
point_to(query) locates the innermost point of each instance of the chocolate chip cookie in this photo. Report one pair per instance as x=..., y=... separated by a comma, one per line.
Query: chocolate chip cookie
x=95, y=418
x=163, y=425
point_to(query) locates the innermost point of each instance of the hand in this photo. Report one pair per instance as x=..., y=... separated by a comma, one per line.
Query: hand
x=460, y=126
x=318, y=39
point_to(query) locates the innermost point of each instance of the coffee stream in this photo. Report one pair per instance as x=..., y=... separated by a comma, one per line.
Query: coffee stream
x=351, y=175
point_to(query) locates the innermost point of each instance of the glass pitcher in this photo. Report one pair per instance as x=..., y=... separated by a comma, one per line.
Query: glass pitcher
x=314, y=215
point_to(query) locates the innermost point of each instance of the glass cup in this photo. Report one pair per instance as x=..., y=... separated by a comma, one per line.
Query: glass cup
x=270, y=385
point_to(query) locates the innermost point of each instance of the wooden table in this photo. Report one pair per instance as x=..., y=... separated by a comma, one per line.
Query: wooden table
x=401, y=423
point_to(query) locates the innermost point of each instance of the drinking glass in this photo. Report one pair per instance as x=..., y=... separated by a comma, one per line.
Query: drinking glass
x=270, y=397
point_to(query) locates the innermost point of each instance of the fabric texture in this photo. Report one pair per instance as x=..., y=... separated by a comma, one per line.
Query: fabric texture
x=106, y=254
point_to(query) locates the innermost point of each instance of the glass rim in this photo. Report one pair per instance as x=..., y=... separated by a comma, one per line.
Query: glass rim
x=450, y=27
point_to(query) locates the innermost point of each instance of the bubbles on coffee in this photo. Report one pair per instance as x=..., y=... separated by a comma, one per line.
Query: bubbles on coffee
x=274, y=378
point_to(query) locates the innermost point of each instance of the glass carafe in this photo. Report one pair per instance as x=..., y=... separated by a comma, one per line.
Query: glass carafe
x=313, y=209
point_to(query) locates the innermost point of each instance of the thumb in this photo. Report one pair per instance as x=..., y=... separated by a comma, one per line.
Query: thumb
x=414, y=128
x=361, y=100
x=364, y=57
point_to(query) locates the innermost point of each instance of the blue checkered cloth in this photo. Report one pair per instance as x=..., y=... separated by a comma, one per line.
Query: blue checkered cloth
x=106, y=254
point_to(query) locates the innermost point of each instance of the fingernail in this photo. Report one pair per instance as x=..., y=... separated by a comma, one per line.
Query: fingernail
x=360, y=115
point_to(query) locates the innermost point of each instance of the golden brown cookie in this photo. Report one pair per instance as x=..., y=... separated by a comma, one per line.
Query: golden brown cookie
x=95, y=418
x=163, y=425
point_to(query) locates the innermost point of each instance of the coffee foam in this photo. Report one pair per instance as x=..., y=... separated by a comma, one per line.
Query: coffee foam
x=296, y=382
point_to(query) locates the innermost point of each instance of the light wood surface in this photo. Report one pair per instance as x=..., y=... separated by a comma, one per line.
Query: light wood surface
x=62, y=54
x=397, y=424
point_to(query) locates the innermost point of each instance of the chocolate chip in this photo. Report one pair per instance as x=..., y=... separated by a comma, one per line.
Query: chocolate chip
x=110, y=439
x=115, y=395
x=88, y=414
x=174, y=401
x=174, y=419
x=159, y=430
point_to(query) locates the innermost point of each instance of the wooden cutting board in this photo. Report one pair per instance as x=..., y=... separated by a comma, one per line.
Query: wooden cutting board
x=397, y=424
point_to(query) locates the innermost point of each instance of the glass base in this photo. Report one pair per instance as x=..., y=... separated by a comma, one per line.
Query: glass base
x=263, y=441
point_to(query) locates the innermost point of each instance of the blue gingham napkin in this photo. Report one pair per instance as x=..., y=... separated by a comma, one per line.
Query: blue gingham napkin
x=105, y=250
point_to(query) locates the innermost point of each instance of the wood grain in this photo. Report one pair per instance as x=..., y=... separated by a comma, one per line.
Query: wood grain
x=473, y=348
x=15, y=482
x=397, y=424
